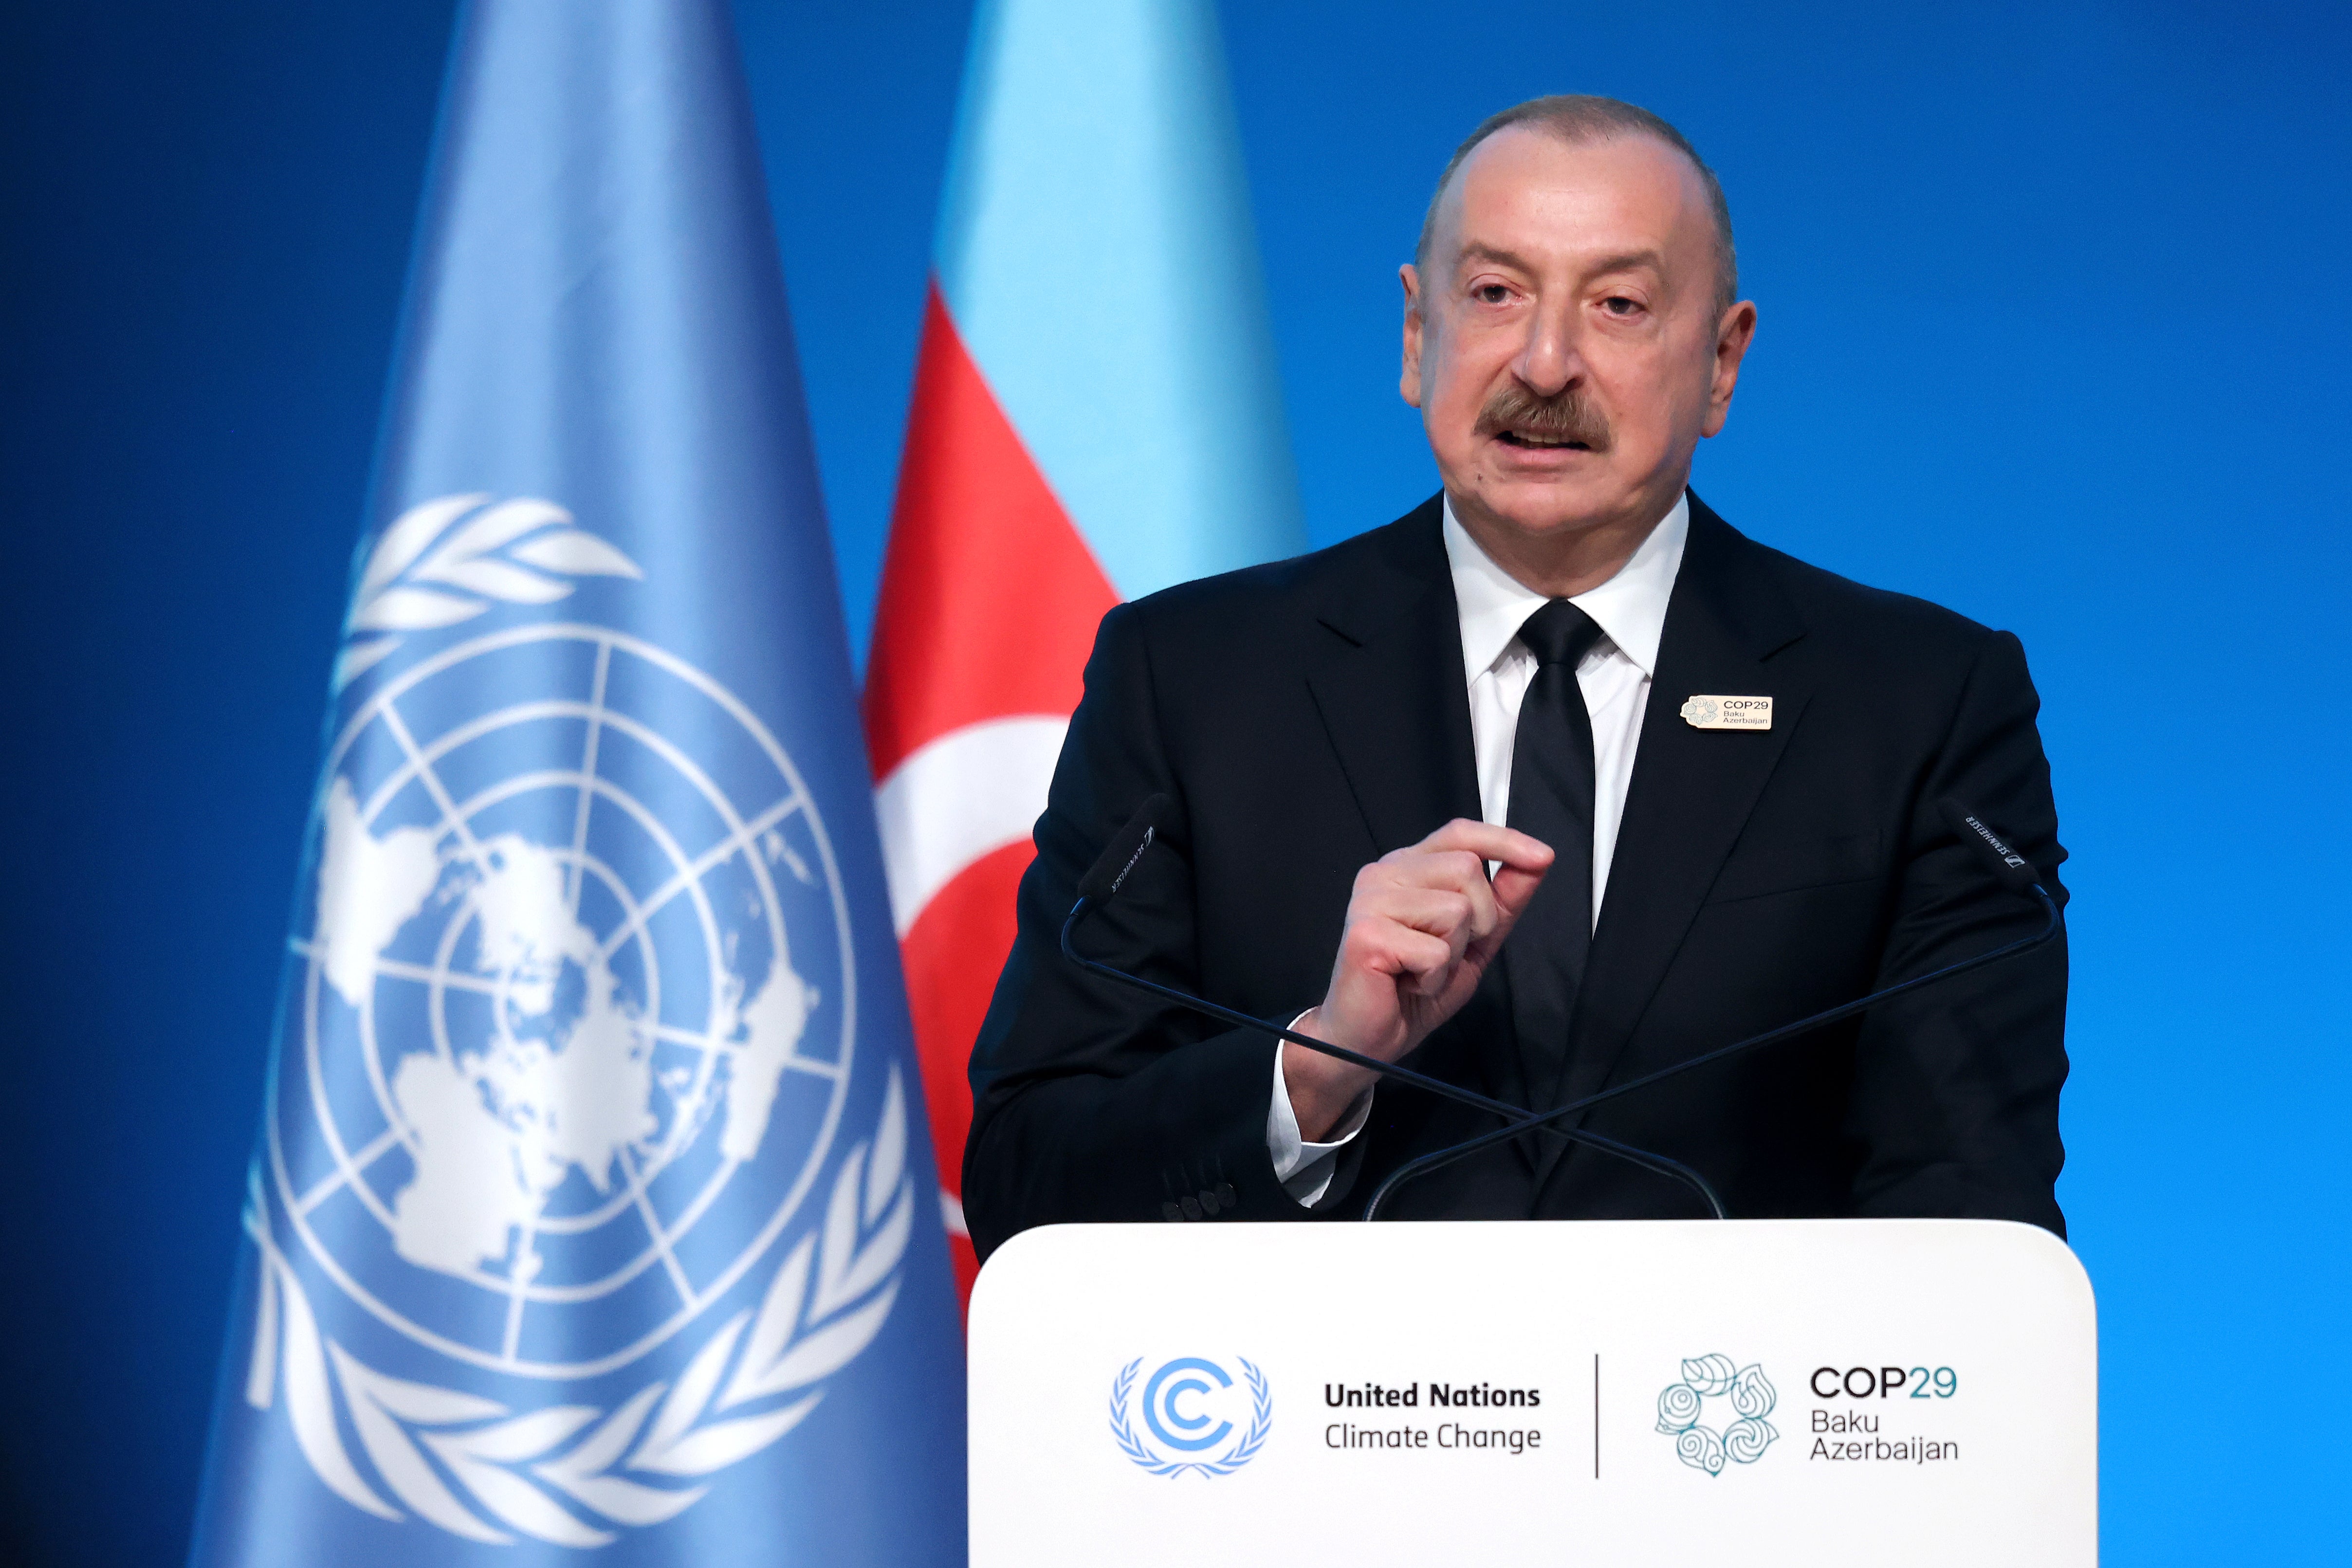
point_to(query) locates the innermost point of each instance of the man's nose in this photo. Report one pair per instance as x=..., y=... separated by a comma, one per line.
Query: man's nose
x=1548, y=360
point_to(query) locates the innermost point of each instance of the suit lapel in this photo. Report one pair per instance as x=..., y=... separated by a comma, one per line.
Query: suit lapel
x=1395, y=706
x=1395, y=662
x=1692, y=790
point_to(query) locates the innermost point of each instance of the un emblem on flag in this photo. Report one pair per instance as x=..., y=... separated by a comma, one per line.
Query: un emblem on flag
x=559, y=1114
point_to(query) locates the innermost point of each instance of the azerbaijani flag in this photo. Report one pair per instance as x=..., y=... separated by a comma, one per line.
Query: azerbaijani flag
x=1097, y=415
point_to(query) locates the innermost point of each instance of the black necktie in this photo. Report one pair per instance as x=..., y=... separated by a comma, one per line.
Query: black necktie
x=1551, y=799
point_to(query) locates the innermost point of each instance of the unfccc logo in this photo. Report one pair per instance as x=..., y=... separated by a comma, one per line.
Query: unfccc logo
x=1191, y=1407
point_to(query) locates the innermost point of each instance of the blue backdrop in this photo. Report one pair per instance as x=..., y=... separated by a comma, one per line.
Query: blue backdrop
x=2051, y=327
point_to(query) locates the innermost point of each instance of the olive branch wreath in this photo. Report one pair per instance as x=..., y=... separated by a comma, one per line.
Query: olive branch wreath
x=428, y=1445
x=429, y=571
x=1234, y=1459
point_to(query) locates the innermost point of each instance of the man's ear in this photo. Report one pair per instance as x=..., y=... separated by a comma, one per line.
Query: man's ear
x=1409, y=383
x=1732, y=335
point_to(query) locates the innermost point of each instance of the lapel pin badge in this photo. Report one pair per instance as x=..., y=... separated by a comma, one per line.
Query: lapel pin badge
x=1727, y=713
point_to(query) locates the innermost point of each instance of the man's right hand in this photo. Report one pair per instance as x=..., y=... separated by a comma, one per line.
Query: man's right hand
x=1422, y=925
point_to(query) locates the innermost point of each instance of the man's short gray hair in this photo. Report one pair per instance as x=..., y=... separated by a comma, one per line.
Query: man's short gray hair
x=1574, y=118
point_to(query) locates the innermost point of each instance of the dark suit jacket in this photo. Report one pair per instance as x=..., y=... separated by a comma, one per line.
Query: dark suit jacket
x=1309, y=717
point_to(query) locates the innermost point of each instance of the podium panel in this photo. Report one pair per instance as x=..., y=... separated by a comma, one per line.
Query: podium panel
x=1766, y=1392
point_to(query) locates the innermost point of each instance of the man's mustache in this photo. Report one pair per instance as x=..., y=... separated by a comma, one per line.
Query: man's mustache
x=1567, y=415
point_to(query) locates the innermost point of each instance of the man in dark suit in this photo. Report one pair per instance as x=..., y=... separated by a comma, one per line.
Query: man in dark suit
x=1552, y=783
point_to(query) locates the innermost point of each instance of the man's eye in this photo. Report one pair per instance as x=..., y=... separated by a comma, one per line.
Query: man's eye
x=1618, y=305
x=1490, y=294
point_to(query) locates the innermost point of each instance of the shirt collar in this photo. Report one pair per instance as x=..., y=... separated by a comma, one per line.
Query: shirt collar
x=1629, y=608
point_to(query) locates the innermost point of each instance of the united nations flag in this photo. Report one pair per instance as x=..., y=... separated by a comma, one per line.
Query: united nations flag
x=590, y=1209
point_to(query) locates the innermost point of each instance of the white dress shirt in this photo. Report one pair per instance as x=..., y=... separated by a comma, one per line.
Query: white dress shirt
x=1614, y=677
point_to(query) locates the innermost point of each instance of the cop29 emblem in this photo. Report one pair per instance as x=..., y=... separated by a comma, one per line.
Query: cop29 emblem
x=567, y=1132
x=1196, y=1415
x=1742, y=1439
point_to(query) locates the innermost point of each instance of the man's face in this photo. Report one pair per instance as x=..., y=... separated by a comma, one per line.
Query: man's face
x=1566, y=350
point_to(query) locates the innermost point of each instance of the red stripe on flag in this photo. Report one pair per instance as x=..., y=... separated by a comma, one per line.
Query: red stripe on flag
x=989, y=603
x=952, y=954
x=989, y=598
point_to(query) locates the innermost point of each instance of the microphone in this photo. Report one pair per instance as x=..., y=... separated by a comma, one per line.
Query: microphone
x=2013, y=871
x=1110, y=870
x=1103, y=878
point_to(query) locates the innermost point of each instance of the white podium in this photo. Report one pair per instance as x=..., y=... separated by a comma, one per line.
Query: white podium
x=1797, y=1392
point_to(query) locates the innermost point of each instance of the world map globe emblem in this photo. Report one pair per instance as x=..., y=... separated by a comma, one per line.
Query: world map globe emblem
x=574, y=1026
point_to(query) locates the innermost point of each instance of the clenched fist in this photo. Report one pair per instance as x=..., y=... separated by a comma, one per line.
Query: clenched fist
x=1422, y=925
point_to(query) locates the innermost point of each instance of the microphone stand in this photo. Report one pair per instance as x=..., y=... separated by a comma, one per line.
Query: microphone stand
x=1441, y=1157
x=1519, y=1118
x=1118, y=858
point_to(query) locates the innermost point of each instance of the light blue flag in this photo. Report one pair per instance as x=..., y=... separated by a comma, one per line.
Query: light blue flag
x=591, y=1208
x=1095, y=219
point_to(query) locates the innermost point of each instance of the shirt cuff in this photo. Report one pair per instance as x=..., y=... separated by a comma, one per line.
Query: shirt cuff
x=1304, y=1169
